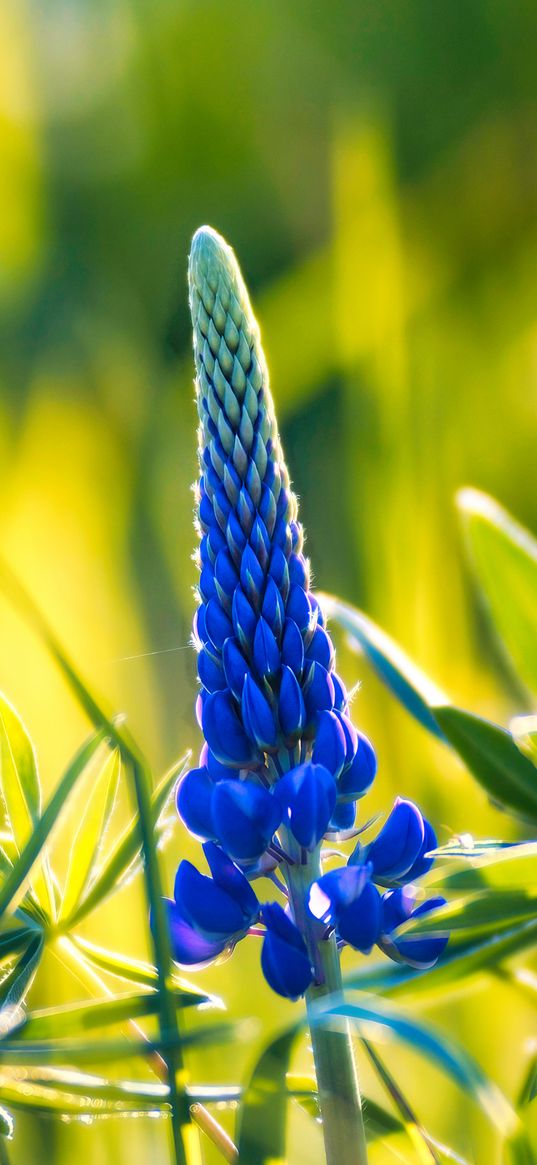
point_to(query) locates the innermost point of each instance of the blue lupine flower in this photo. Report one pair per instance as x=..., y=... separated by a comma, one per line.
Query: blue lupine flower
x=283, y=766
x=397, y=908
x=284, y=957
x=347, y=901
x=210, y=914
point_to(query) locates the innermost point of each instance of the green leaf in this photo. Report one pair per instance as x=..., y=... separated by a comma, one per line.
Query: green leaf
x=472, y=957
x=135, y=971
x=46, y=823
x=378, y=1020
x=509, y=867
x=76, y=1052
x=504, y=558
x=17, y=982
x=476, y=913
x=126, y=852
x=410, y=1123
x=89, y=837
x=73, y=1019
x=21, y=792
x=262, y=1115
x=401, y=675
x=524, y=731
x=492, y=756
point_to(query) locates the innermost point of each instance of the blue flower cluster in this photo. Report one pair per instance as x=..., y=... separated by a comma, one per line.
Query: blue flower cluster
x=283, y=766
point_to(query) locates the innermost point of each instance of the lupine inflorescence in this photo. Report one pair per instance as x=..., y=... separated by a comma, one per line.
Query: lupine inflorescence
x=282, y=766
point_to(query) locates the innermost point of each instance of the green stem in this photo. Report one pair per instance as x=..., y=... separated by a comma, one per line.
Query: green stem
x=333, y=1052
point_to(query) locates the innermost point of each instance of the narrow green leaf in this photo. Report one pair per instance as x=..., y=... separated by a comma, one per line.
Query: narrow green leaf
x=31, y=851
x=57, y=1023
x=518, y=1150
x=76, y=1053
x=504, y=558
x=378, y=1019
x=135, y=971
x=476, y=913
x=401, y=675
x=506, y=774
x=524, y=732
x=89, y=836
x=379, y=1123
x=457, y=964
x=17, y=982
x=119, y=864
x=511, y=867
x=410, y=1123
x=21, y=792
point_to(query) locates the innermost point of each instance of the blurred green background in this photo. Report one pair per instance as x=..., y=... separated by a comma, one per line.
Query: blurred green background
x=374, y=165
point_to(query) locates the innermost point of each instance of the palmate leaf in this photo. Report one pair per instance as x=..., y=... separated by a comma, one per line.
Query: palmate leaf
x=102, y=786
x=490, y=752
x=504, y=558
x=21, y=794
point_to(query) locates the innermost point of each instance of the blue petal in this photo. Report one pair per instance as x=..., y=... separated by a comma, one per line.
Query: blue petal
x=351, y=736
x=359, y=777
x=291, y=711
x=279, y=569
x=398, y=844
x=227, y=875
x=258, y=717
x=423, y=864
x=245, y=817
x=321, y=648
x=343, y=817
x=225, y=573
x=397, y=906
x=298, y=607
x=206, y=583
x=252, y=576
x=194, y=799
x=420, y=952
x=284, y=957
x=235, y=666
x=224, y=732
x=334, y=891
x=188, y=947
x=266, y=651
x=330, y=744
x=272, y=608
x=244, y=618
x=260, y=541
x=307, y=795
x=341, y=696
x=217, y=770
x=318, y=691
x=210, y=672
x=298, y=571
x=205, y=906
x=217, y=624
x=359, y=924
x=292, y=647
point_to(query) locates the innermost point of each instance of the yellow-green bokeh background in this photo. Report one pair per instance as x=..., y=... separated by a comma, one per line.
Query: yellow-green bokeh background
x=375, y=166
